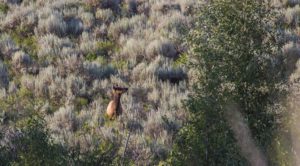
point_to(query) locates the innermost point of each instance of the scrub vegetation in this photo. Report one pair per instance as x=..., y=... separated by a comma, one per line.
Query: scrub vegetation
x=196, y=71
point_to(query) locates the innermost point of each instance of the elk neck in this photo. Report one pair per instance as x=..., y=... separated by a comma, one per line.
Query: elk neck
x=116, y=99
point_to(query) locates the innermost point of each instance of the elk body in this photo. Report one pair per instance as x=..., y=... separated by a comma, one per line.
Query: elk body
x=114, y=108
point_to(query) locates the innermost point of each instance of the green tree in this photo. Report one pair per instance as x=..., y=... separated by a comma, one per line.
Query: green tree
x=32, y=145
x=236, y=53
x=35, y=147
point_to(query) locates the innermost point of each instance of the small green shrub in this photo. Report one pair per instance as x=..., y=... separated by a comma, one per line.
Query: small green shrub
x=80, y=102
x=181, y=60
x=120, y=64
x=26, y=40
x=4, y=8
x=91, y=57
x=105, y=48
x=101, y=60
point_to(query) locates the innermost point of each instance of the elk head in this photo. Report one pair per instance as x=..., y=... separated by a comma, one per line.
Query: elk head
x=119, y=90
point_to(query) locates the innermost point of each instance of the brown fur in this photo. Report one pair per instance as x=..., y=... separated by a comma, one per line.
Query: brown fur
x=114, y=108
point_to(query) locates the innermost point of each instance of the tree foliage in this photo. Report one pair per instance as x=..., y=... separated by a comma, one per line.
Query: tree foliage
x=236, y=53
x=32, y=145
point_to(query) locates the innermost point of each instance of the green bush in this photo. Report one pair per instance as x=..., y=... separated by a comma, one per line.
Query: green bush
x=236, y=54
x=4, y=7
x=120, y=64
x=182, y=60
x=80, y=102
x=91, y=57
x=35, y=147
x=104, y=154
x=105, y=48
x=24, y=37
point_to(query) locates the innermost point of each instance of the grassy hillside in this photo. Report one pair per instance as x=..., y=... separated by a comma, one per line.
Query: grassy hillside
x=60, y=59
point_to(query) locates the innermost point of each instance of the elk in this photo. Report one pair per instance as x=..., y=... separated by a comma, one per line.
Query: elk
x=114, y=108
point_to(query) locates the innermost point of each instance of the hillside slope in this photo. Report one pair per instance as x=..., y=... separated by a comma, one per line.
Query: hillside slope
x=60, y=59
